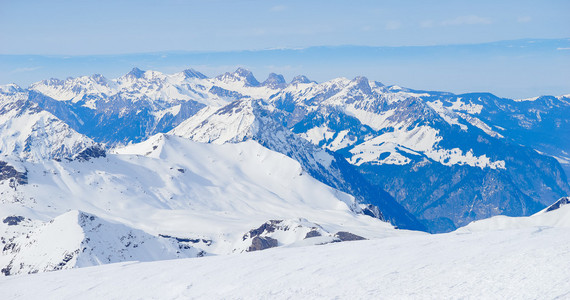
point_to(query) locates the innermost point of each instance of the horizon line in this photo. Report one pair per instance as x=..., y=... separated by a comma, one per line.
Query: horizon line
x=287, y=48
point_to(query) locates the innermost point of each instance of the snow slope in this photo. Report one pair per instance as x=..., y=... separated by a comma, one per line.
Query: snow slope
x=556, y=215
x=77, y=239
x=206, y=194
x=28, y=132
x=525, y=263
x=253, y=120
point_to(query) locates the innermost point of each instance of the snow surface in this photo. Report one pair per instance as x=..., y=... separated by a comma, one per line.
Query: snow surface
x=28, y=132
x=77, y=239
x=173, y=186
x=530, y=262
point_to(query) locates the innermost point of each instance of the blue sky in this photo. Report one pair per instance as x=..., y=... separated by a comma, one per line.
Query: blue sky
x=94, y=28
x=113, y=27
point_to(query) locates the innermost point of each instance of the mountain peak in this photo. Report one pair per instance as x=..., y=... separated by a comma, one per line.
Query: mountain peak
x=242, y=72
x=100, y=79
x=275, y=81
x=136, y=73
x=363, y=84
x=191, y=73
x=247, y=75
x=300, y=79
x=10, y=88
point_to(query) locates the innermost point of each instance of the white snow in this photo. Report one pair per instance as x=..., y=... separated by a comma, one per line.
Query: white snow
x=76, y=239
x=559, y=218
x=30, y=133
x=174, y=186
x=153, y=86
x=456, y=156
x=525, y=263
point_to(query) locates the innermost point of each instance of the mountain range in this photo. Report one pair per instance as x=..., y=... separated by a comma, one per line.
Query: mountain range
x=447, y=159
x=151, y=166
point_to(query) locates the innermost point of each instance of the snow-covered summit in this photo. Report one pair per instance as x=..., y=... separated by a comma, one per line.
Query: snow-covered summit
x=135, y=73
x=300, y=79
x=275, y=81
x=240, y=75
x=191, y=73
x=11, y=88
x=77, y=239
x=28, y=132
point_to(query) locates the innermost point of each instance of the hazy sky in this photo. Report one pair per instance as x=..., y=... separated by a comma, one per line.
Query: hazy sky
x=73, y=38
x=113, y=27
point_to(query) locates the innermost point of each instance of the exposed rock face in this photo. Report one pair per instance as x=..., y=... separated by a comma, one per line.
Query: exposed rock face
x=275, y=233
x=561, y=202
x=347, y=236
x=13, y=220
x=262, y=243
x=267, y=227
x=259, y=238
x=91, y=152
x=8, y=172
x=312, y=233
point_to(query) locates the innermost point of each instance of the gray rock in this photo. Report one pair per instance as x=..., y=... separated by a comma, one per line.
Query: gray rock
x=347, y=236
x=556, y=205
x=312, y=233
x=262, y=243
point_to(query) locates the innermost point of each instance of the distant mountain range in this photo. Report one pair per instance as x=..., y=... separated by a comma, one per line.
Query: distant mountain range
x=513, y=68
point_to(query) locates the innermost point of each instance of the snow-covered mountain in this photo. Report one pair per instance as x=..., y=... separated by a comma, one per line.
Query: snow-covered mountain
x=399, y=137
x=31, y=133
x=468, y=147
x=165, y=198
x=76, y=239
x=142, y=103
x=252, y=120
x=307, y=172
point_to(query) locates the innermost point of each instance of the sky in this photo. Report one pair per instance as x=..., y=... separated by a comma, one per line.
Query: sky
x=95, y=28
x=113, y=27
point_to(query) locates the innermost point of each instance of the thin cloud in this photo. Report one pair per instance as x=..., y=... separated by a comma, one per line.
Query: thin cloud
x=278, y=8
x=467, y=20
x=393, y=25
x=23, y=70
x=524, y=19
x=457, y=21
x=427, y=24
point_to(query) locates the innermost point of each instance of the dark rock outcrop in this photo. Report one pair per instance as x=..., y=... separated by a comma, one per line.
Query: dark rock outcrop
x=556, y=205
x=13, y=220
x=347, y=236
x=262, y=243
x=8, y=172
x=312, y=233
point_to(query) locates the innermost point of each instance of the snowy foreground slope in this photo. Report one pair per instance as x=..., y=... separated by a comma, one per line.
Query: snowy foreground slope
x=525, y=260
